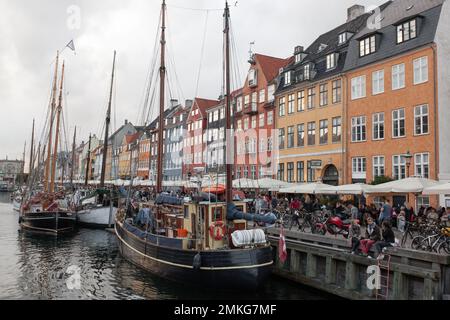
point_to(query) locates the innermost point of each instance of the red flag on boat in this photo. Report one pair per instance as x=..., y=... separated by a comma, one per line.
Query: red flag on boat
x=282, y=252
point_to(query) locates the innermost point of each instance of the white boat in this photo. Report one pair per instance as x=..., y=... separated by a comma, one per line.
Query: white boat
x=97, y=217
x=17, y=203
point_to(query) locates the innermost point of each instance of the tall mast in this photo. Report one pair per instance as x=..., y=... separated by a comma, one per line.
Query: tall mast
x=53, y=107
x=229, y=167
x=88, y=162
x=39, y=162
x=58, y=120
x=23, y=162
x=108, y=120
x=73, y=155
x=162, y=75
x=32, y=150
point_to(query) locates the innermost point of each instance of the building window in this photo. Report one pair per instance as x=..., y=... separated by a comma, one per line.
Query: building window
x=301, y=135
x=378, y=82
x=246, y=123
x=269, y=144
x=306, y=72
x=239, y=104
x=378, y=166
x=291, y=102
x=262, y=120
x=280, y=175
x=378, y=126
x=290, y=137
x=290, y=172
x=337, y=91
x=282, y=107
x=245, y=172
x=331, y=61
x=269, y=118
x=262, y=95
x=271, y=93
x=342, y=38
x=367, y=46
x=406, y=31
x=358, y=87
x=422, y=165
x=253, y=172
x=311, y=97
x=300, y=171
x=281, y=137
x=311, y=174
x=421, y=119
x=287, y=78
x=398, y=76
x=311, y=133
x=254, y=122
x=337, y=129
x=420, y=70
x=323, y=94
x=359, y=168
x=423, y=202
x=398, y=123
x=398, y=167
x=238, y=173
x=359, y=129
x=301, y=101
x=323, y=132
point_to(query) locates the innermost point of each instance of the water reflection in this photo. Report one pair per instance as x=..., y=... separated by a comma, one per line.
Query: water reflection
x=35, y=267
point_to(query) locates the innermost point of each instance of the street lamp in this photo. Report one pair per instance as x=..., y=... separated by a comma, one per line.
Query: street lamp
x=408, y=157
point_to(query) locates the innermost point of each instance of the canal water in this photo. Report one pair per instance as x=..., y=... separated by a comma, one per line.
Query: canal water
x=35, y=268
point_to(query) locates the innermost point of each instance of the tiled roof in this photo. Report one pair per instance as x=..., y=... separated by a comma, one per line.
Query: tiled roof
x=204, y=104
x=387, y=46
x=270, y=66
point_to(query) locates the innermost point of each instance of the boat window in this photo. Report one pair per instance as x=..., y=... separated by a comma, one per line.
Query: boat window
x=218, y=214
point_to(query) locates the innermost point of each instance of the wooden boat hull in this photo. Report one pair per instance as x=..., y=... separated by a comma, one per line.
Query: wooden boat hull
x=98, y=217
x=237, y=269
x=51, y=223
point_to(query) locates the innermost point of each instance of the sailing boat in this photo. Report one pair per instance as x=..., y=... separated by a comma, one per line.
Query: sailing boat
x=97, y=209
x=202, y=243
x=48, y=212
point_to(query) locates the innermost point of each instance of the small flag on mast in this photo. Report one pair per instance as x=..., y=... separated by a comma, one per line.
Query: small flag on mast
x=71, y=45
x=282, y=252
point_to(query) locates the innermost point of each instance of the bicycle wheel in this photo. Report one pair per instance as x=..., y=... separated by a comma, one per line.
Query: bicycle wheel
x=443, y=247
x=417, y=243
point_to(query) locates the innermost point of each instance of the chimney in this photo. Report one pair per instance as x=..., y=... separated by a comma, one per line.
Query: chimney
x=188, y=104
x=126, y=121
x=173, y=103
x=355, y=11
x=298, y=49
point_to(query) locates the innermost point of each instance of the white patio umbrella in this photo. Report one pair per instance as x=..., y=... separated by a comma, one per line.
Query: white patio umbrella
x=309, y=188
x=245, y=183
x=272, y=184
x=408, y=185
x=440, y=189
x=351, y=189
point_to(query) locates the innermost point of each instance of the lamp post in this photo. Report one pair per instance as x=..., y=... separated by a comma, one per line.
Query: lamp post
x=408, y=157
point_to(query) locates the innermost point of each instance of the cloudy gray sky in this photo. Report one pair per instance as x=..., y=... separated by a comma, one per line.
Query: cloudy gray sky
x=32, y=31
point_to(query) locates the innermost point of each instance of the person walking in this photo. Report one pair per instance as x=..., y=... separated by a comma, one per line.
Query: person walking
x=386, y=212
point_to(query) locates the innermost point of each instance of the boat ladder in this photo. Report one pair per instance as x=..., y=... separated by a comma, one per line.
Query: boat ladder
x=384, y=268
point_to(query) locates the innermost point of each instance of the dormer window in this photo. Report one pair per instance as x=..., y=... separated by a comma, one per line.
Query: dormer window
x=287, y=78
x=367, y=46
x=331, y=61
x=343, y=38
x=307, y=71
x=322, y=47
x=252, y=78
x=407, y=31
x=298, y=57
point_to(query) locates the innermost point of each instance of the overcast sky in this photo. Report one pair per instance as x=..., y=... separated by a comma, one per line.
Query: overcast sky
x=32, y=31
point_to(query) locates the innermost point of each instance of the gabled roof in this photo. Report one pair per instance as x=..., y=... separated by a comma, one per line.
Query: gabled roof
x=203, y=105
x=130, y=138
x=270, y=66
x=392, y=15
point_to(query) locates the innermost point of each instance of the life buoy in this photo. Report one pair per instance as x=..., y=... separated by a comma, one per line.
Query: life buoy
x=217, y=230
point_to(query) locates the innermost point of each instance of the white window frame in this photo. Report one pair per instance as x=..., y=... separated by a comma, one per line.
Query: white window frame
x=358, y=87
x=422, y=161
x=376, y=124
x=378, y=164
x=358, y=123
x=398, y=162
x=398, y=76
x=359, y=168
x=262, y=95
x=287, y=78
x=270, y=118
x=367, y=46
x=262, y=120
x=420, y=66
x=397, y=119
x=331, y=61
x=419, y=116
x=377, y=82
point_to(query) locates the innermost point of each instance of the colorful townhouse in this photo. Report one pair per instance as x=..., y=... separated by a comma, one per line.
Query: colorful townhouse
x=310, y=104
x=254, y=117
x=397, y=113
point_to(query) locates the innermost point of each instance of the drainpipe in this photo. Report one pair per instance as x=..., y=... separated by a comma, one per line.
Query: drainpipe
x=344, y=128
x=436, y=123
